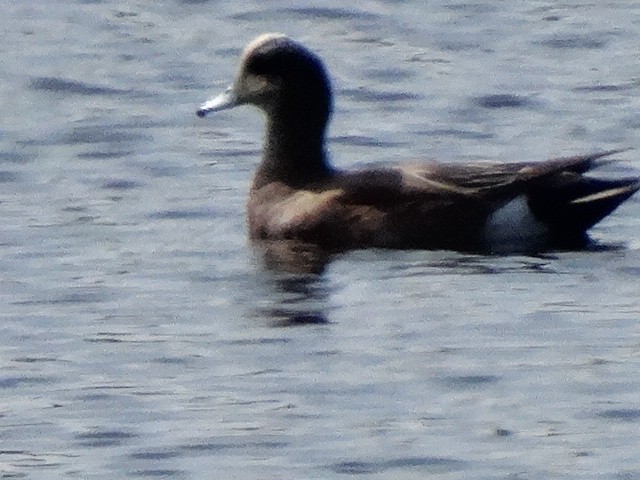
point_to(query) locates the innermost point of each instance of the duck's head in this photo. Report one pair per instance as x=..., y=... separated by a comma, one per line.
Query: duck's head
x=281, y=77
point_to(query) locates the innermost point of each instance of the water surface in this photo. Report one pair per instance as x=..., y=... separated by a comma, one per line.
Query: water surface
x=142, y=336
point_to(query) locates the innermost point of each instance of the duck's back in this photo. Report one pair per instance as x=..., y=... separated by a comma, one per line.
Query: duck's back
x=481, y=206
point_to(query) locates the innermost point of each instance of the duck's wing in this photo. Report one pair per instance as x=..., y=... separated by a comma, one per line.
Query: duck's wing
x=496, y=181
x=557, y=191
x=493, y=183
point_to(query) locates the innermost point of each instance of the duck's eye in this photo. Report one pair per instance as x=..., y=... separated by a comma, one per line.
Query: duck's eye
x=262, y=81
x=261, y=84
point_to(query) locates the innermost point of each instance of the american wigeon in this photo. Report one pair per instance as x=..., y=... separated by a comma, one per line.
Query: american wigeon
x=297, y=195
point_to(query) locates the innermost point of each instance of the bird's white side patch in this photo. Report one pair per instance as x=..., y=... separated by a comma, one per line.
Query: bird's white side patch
x=514, y=227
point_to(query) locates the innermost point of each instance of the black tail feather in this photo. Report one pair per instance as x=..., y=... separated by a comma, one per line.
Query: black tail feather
x=574, y=203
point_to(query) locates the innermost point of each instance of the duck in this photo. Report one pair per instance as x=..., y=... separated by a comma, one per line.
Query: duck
x=298, y=195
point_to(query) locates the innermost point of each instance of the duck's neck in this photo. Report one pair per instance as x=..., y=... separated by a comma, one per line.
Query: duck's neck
x=294, y=153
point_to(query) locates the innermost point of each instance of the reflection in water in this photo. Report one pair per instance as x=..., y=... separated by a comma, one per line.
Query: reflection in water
x=304, y=258
x=293, y=256
x=298, y=286
x=294, y=272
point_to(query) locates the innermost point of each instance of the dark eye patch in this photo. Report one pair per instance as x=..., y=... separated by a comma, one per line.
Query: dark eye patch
x=281, y=60
x=262, y=64
x=268, y=62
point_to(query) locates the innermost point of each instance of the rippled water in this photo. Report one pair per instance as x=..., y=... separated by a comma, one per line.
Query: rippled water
x=142, y=336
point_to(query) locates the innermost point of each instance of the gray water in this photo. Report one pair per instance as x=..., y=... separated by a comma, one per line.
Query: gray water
x=143, y=336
